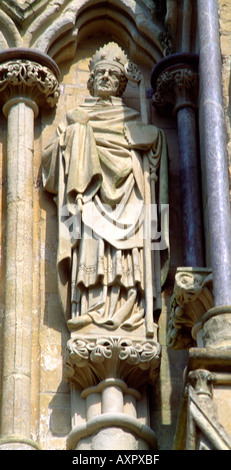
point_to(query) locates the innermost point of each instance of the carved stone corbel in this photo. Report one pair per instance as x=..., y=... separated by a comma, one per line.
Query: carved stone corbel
x=192, y=298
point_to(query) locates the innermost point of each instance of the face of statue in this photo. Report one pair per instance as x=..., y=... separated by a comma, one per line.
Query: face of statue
x=106, y=80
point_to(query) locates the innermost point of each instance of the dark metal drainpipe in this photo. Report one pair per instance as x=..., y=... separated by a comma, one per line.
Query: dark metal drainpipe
x=215, y=150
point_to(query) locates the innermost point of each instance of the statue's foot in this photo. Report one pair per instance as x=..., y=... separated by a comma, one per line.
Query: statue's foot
x=77, y=322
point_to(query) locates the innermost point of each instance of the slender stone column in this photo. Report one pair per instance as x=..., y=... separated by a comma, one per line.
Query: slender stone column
x=186, y=26
x=217, y=321
x=24, y=85
x=215, y=149
x=175, y=84
x=19, y=271
x=190, y=188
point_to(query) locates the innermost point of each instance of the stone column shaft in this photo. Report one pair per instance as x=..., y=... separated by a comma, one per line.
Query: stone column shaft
x=175, y=84
x=214, y=138
x=190, y=188
x=186, y=26
x=25, y=82
x=217, y=321
x=19, y=272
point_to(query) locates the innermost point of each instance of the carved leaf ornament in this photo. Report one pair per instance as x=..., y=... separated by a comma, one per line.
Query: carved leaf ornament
x=118, y=352
x=172, y=82
x=23, y=74
x=100, y=351
x=103, y=348
x=132, y=72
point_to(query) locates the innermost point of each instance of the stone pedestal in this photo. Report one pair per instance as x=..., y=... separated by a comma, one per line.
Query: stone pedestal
x=109, y=377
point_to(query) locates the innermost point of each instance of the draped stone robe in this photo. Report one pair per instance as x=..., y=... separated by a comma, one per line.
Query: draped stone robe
x=96, y=158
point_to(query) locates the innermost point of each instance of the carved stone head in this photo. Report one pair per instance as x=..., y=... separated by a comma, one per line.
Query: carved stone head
x=107, y=76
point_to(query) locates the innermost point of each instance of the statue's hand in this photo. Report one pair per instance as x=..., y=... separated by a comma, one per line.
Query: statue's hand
x=77, y=115
x=140, y=136
x=79, y=202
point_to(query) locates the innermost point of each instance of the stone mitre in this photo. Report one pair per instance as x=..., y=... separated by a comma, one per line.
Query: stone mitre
x=110, y=53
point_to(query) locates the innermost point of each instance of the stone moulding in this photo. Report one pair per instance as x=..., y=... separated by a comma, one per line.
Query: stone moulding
x=210, y=359
x=103, y=421
x=89, y=361
x=25, y=444
x=192, y=298
x=114, y=383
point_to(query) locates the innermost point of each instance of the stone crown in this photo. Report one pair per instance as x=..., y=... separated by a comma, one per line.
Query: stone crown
x=110, y=53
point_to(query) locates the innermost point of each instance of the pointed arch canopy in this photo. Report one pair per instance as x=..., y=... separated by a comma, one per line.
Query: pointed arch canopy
x=60, y=25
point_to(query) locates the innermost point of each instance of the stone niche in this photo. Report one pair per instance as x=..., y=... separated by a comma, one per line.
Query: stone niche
x=50, y=393
x=55, y=412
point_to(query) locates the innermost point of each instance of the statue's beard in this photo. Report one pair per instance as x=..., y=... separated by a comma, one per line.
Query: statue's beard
x=107, y=87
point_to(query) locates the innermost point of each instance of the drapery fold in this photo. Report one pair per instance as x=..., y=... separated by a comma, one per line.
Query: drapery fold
x=96, y=155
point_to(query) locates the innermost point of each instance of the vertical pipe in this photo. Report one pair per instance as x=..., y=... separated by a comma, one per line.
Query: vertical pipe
x=16, y=387
x=214, y=139
x=190, y=188
x=186, y=26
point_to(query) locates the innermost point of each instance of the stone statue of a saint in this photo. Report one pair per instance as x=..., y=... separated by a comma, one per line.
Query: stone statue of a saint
x=94, y=168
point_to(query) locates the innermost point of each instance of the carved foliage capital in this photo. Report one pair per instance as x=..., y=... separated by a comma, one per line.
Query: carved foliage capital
x=30, y=79
x=176, y=87
x=89, y=361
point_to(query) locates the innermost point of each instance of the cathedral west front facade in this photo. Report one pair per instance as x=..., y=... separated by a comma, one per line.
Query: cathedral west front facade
x=115, y=225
